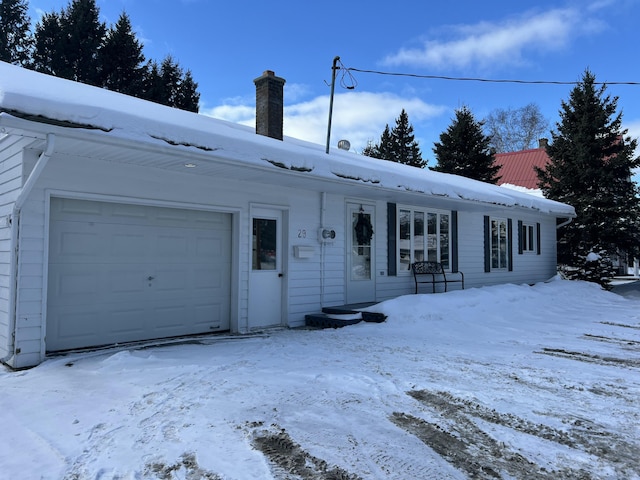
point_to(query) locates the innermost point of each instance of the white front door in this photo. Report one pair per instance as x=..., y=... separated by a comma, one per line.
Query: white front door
x=266, y=268
x=361, y=286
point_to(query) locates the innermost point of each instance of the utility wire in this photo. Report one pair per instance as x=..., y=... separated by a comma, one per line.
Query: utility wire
x=485, y=80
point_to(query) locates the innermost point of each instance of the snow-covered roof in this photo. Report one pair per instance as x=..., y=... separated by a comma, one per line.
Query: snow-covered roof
x=36, y=96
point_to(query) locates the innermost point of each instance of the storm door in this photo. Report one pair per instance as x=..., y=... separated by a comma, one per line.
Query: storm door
x=360, y=262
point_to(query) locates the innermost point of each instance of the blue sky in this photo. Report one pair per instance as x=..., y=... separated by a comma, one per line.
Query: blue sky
x=228, y=44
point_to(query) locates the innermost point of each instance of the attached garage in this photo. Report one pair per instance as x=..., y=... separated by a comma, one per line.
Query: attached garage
x=122, y=272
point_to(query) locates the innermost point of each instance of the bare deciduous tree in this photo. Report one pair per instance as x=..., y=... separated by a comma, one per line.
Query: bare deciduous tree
x=517, y=129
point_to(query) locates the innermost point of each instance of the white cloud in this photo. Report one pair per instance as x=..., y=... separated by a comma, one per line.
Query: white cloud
x=486, y=44
x=357, y=116
x=242, y=114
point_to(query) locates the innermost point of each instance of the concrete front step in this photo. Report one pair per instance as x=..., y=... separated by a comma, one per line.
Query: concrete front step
x=337, y=317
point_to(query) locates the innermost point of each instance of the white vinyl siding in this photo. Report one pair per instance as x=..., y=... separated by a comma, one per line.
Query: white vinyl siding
x=311, y=283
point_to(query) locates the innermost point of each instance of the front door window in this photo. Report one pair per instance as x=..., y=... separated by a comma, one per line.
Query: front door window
x=264, y=244
x=361, y=234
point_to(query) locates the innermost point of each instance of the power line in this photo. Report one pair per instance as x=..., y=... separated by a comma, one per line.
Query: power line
x=485, y=80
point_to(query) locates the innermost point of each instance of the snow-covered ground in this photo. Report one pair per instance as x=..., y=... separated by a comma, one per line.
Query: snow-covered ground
x=498, y=382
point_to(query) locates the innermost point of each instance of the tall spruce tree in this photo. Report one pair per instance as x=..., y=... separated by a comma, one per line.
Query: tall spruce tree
x=67, y=43
x=82, y=37
x=465, y=150
x=74, y=44
x=47, y=56
x=16, y=40
x=591, y=160
x=188, y=96
x=152, y=83
x=398, y=144
x=169, y=85
x=121, y=59
x=171, y=75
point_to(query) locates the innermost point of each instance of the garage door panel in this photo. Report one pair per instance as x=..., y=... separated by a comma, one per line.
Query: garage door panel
x=73, y=286
x=79, y=244
x=205, y=279
x=123, y=324
x=126, y=245
x=87, y=283
x=122, y=273
x=127, y=280
x=168, y=319
x=76, y=209
x=173, y=246
x=74, y=326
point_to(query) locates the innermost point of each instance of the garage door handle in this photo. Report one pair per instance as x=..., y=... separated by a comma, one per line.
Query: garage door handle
x=281, y=275
x=150, y=278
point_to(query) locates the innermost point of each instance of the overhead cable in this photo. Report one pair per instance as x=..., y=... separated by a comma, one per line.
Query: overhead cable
x=485, y=80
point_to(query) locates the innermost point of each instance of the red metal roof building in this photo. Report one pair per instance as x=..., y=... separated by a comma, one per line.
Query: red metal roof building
x=517, y=167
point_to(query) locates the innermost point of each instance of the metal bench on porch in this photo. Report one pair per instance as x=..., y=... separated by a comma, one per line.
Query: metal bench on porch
x=433, y=272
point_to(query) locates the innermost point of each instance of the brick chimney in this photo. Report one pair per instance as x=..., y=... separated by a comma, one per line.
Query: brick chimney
x=543, y=142
x=269, y=105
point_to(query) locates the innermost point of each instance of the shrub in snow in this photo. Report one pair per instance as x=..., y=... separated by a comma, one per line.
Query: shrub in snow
x=592, y=266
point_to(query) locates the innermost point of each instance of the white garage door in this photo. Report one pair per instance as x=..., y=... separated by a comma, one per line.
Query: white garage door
x=121, y=273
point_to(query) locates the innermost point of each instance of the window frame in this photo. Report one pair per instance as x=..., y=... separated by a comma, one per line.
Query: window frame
x=529, y=240
x=497, y=262
x=405, y=268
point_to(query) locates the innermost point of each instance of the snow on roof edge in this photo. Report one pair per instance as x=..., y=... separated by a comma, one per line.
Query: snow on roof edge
x=60, y=100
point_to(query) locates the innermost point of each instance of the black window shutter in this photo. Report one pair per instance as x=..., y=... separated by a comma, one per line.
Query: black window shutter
x=520, y=239
x=510, y=244
x=454, y=241
x=487, y=244
x=392, y=249
x=538, y=238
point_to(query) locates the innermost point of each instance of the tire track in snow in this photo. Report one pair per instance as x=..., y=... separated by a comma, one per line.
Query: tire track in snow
x=287, y=458
x=466, y=446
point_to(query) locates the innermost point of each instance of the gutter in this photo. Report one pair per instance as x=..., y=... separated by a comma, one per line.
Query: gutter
x=14, y=224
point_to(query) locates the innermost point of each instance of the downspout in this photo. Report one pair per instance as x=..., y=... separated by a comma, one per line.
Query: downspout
x=323, y=208
x=14, y=224
x=566, y=222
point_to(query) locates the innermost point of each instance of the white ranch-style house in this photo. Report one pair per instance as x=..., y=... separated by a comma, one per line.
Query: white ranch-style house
x=122, y=220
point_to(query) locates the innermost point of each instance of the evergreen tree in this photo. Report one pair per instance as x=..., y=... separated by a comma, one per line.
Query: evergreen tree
x=171, y=75
x=465, y=150
x=398, y=144
x=82, y=37
x=74, y=44
x=48, y=45
x=188, y=96
x=591, y=160
x=67, y=43
x=16, y=40
x=121, y=59
x=169, y=85
x=152, y=83
x=385, y=147
x=370, y=149
x=405, y=147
